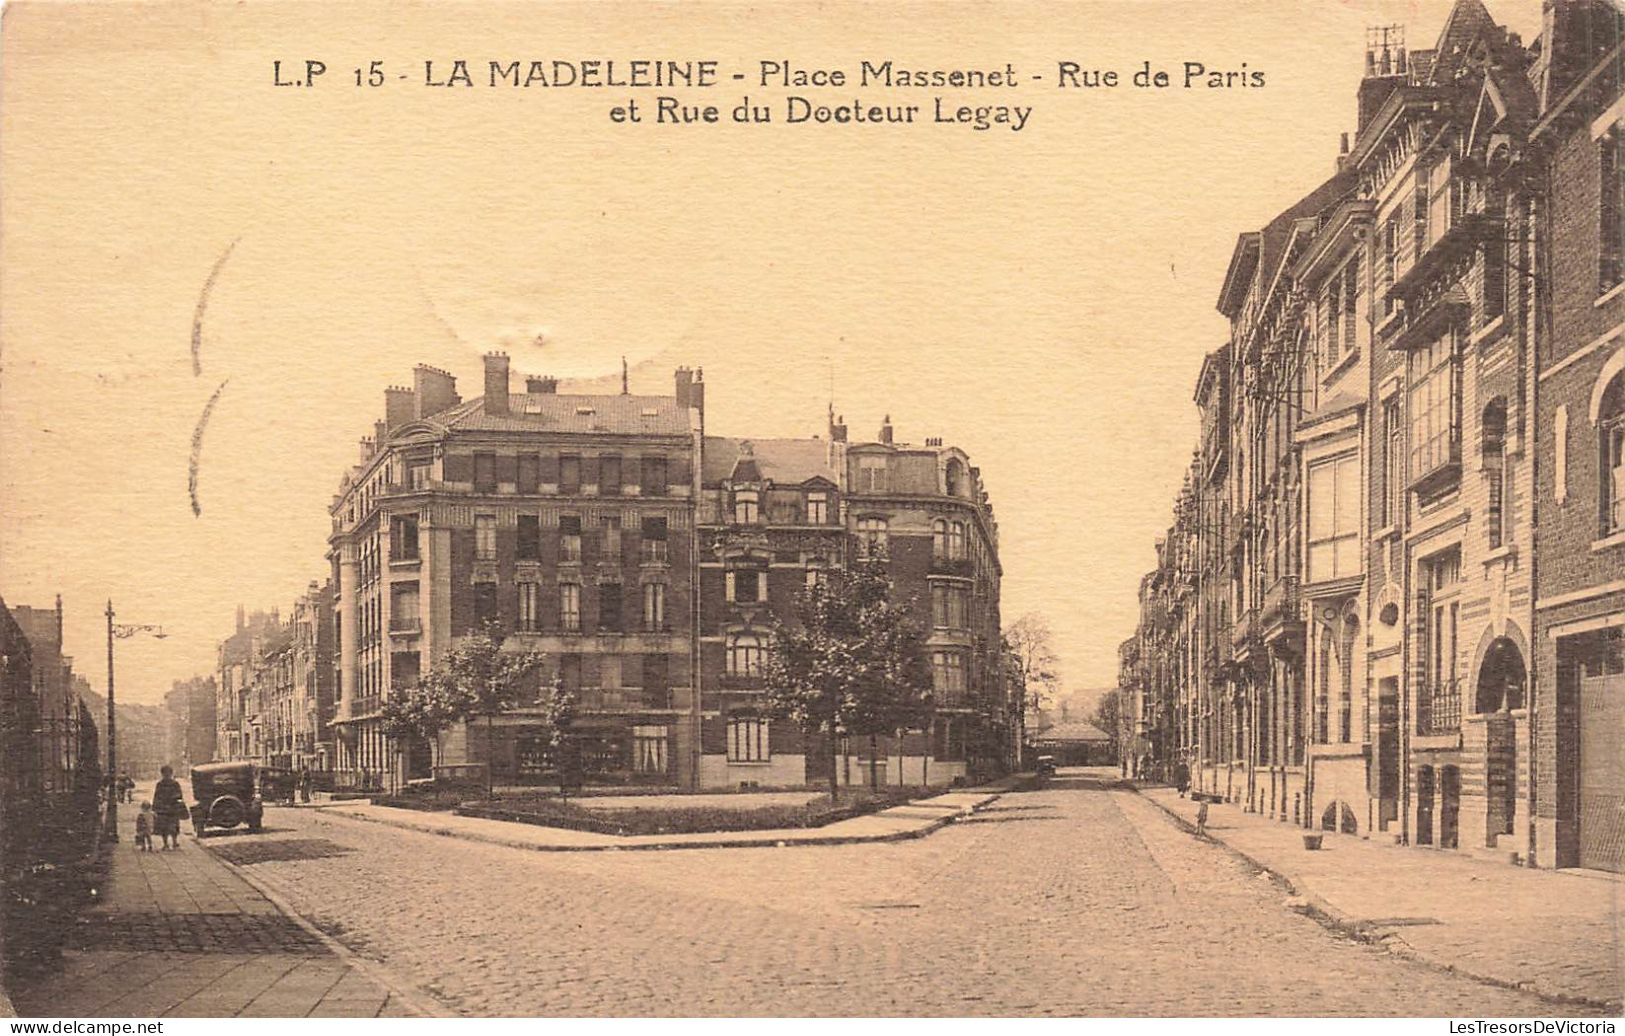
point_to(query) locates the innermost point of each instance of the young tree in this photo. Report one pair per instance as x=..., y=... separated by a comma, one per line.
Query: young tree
x=1109, y=718
x=851, y=662
x=476, y=677
x=422, y=713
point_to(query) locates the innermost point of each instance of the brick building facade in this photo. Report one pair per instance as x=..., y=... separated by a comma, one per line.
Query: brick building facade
x=646, y=561
x=1424, y=535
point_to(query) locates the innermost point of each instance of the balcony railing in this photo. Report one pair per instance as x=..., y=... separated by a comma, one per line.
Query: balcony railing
x=950, y=566
x=1438, y=708
x=1281, y=601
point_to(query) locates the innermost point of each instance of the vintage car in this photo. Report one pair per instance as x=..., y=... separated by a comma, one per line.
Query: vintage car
x=226, y=794
x=1046, y=766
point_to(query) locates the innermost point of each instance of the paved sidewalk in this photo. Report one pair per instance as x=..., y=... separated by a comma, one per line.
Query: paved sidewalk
x=179, y=934
x=911, y=820
x=1557, y=933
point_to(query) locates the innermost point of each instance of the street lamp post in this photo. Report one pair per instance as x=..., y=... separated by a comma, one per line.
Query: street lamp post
x=122, y=631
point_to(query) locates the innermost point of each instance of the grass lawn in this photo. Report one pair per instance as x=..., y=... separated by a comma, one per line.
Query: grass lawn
x=702, y=813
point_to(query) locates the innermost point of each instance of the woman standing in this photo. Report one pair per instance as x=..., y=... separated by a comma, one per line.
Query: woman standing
x=168, y=806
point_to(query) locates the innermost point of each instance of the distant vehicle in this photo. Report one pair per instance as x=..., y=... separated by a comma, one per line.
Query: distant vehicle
x=1046, y=766
x=226, y=794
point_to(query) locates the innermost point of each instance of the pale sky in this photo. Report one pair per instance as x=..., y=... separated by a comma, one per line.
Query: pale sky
x=1041, y=298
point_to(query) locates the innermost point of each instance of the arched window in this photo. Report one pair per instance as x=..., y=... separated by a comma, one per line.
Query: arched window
x=953, y=478
x=745, y=654
x=1492, y=446
x=1611, y=433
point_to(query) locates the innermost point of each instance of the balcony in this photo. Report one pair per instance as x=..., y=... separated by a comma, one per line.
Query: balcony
x=1281, y=617
x=1438, y=709
x=405, y=624
x=941, y=566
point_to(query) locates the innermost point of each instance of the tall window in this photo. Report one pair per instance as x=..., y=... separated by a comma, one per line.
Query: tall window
x=744, y=585
x=1493, y=435
x=939, y=538
x=953, y=477
x=871, y=536
x=609, y=475
x=649, y=749
x=609, y=538
x=530, y=607
x=1441, y=194
x=872, y=474
x=1390, y=257
x=745, y=507
x=1393, y=501
x=1435, y=407
x=1419, y=214
x=609, y=607
x=748, y=740
x=745, y=654
x=485, y=603
x=948, y=605
x=529, y=472
x=403, y=537
x=404, y=610
x=1611, y=428
x=569, y=473
x=485, y=537
x=570, y=537
x=817, y=509
x=1611, y=253
x=530, y=537
x=418, y=473
x=948, y=676
x=956, y=541
x=570, y=606
x=654, y=606
x=654, y=476
x=1442, y=578
x=652, y=546
x=1331, y=319
x=1334, y=518
x=485, y=472
x=1351, y=305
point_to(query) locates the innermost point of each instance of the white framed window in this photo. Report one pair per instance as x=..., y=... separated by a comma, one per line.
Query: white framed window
x=485, y=537
x=570, y=538
x=939, y=538
x=872, y=474
x=817, y=509
x=956, y=541
x=1334, y=518
x=418, y=473
x=948, y=675
x=654, y=606
x=746, y=655
x=745, y=585
x=746, y=510
x=948, y=605
x=1435, y=407
x=748, y=740
x=649, y=749
x=570, y=606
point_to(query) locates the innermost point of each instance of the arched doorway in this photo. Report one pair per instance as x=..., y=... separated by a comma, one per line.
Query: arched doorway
x=1502, y=678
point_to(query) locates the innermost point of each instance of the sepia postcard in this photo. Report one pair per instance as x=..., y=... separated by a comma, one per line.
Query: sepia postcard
x=911, y=510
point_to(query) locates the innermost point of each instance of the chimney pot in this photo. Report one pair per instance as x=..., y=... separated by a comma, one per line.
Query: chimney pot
x=542, y=385
x=886, y=430
x=434, y=390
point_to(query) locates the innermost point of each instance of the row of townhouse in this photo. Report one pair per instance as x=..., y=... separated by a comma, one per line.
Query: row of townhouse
x=1392, y=598
x=273, y=689
x=647, y=561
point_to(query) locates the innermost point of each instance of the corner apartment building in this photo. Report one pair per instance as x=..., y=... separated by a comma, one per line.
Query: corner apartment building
x=1423, y=379
x=647, y=562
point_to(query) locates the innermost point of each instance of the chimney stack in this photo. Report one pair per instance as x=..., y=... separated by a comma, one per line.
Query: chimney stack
x=696, y=394
x=542, y=386
x=684, y=379
x=496, y=383
x=885, y=430
x=399, y=406
x=837, y=428
x=434, y=390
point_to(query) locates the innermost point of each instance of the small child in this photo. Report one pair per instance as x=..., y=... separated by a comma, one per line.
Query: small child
x=1201, y=817
x=143, y=828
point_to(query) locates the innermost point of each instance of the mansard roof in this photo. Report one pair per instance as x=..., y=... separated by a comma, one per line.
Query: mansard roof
x=579, y=414
x=785, y=462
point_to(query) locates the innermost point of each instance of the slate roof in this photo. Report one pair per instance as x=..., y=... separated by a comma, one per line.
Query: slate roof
x=787, y=462
x=551, y=412
x=1076, y=730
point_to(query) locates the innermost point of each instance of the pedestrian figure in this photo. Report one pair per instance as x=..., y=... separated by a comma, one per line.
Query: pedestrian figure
x=168, y=806
x=143, y=828
x=1201, y=817
x=304, y=785
x=1182, y=777
x=126, y=788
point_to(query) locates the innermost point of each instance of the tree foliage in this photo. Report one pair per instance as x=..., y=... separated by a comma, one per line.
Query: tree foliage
x=1032, y=642
x=1109, y=718
x=850, y=661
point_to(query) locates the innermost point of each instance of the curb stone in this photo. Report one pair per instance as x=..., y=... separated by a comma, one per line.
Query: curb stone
x=397, y=989
x=1332, y=919
x=920, y=830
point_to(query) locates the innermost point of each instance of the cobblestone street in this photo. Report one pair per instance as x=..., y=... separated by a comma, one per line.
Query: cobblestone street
x=1073, y=900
